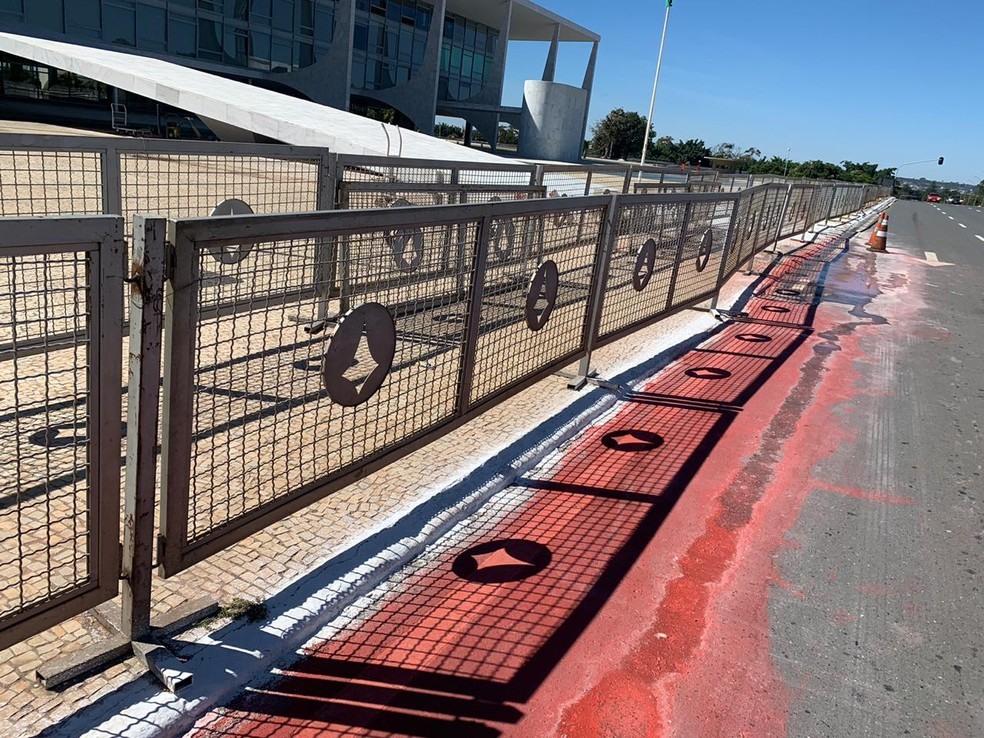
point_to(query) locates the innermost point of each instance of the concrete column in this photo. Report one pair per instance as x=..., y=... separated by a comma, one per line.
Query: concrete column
x=550, y=70
x=588, y=85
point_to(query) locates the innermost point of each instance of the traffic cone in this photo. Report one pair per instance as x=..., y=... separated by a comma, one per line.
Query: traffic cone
x=880, y=236
x=874, y=231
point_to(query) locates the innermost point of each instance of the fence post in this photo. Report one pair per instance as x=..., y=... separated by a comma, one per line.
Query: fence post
x=596, y=295
x=326, y=250
x=775, y=243
x=732, y=241
x=627, y=180
x=681, y=244
x=143, y=394
x=473, y=323
x=112, y=181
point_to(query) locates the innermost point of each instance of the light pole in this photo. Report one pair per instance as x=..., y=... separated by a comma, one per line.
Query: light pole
x=785, y=167
x=652, y=102
x=895, y=175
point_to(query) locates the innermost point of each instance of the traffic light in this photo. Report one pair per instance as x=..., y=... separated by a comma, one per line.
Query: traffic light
x=941, y=161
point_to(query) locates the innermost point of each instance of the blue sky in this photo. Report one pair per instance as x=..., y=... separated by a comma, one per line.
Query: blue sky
x=887, y=81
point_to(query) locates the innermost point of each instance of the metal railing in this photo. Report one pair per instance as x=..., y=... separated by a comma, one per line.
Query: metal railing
x=440, y=315
x=437, y=314
x=60, y=409
x=80, y=175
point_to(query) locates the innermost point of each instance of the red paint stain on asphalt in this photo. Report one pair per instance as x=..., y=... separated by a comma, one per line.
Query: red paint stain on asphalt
x=842, y=617
x=861, y=494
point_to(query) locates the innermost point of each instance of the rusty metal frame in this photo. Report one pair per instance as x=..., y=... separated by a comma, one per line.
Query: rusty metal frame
x=101, y=238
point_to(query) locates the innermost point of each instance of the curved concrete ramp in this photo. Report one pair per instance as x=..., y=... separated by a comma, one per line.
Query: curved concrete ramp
x=239, y=107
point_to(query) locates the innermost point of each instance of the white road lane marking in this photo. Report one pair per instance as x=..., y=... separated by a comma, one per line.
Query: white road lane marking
x=961, y=225
x=979, y=238
x=950, y=217
x=931, y=257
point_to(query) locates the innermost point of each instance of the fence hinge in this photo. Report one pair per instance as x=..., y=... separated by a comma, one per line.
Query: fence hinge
x=170, y=260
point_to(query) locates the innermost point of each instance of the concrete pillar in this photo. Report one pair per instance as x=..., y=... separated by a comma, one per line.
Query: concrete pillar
x=468, y=134
x=550, y=70
x=551, y=126
x=588, y=86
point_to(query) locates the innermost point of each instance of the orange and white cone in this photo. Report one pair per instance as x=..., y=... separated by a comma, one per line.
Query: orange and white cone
x=879, y=239
x=874, y=231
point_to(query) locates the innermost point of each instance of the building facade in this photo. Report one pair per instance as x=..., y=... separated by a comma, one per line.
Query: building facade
x=422, y=59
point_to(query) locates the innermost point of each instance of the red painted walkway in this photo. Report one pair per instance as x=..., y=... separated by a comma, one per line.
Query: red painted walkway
x=621, y=589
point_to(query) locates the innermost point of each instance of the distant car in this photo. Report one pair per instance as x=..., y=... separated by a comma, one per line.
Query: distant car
x=933, y=197
x=954, y=200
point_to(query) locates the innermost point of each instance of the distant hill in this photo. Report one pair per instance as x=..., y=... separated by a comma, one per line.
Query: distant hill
x=922, y=183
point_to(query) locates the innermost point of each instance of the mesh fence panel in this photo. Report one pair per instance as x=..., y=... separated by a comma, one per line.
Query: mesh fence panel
x=264, y=426
x=60, y=362
x=50, y=182
x=44, y=521
x=705, y=243
x=509, y=348
x=192, y=185
x=644, y=253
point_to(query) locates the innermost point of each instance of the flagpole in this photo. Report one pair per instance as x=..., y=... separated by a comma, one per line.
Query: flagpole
x=652, y=102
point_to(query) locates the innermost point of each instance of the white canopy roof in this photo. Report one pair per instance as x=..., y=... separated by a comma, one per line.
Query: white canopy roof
x=271, y=114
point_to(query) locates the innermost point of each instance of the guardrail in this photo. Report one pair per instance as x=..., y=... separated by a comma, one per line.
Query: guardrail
x=61, y=285
x=438, y=313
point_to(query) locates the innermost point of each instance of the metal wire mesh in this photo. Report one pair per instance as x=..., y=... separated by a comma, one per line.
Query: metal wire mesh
x=705, y=243
x=512, y=344
x=644, y=255
x=50, y=182
x=192, y=185
x=264, y=426
x=44, y=511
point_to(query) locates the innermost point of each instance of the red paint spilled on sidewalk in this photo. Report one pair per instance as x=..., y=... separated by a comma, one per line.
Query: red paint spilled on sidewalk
x=443, y=655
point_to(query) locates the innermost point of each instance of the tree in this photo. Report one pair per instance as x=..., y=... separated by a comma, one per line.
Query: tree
x=620, y=135
x=443, y=130
x=692, y=151
x=725, y=151
x=508, y=135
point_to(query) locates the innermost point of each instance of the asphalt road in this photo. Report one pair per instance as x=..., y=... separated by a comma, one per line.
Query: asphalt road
x=905, y=654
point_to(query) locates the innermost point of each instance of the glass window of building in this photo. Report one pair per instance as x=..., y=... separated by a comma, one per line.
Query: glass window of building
x=120, y=23
x=182, y=35
x=283, y=15
x=236, y=47
x=467, y=56
x=46, y=14
x=83, y=18
x=324, y=22
x=259, y=50
x=281, y=59
x=12, y=8
x=260, y=11
x=151, y=27
x=209, y=39
x=237, y=9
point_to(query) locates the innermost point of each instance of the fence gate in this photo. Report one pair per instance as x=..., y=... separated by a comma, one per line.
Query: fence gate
x=60, y=416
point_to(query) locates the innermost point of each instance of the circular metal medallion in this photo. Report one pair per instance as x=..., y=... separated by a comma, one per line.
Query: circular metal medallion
x=559, y=219
x=407, y=243
x=644, y=266
x=372, y=322
x=704, y=252
x=230, y=254
x=502, y=230
x=543, y=287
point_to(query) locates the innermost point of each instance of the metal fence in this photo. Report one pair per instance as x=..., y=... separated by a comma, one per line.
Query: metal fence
x=79, y=175
x=443, y=311
x=436, y=313
x=60, y=410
